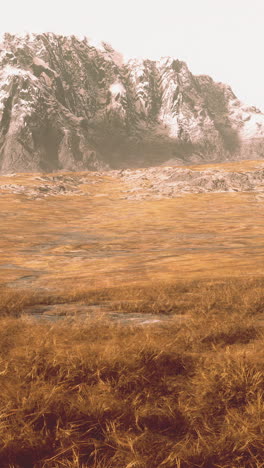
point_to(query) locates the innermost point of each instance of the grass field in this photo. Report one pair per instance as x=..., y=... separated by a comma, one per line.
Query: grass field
x=90, y=393
x=100, y=239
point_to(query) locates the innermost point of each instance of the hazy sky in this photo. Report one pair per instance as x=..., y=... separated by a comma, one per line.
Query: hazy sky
x=222, y=38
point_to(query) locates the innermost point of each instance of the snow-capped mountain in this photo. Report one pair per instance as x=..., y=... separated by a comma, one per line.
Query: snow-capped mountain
x=65, y=104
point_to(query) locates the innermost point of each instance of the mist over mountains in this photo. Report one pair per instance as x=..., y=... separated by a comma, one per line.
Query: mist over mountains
x=67, y=105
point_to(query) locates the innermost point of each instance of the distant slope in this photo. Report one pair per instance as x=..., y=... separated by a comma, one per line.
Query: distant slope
x=66, y=105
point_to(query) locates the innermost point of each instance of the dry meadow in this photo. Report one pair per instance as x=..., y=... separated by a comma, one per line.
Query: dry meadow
x=84, y=391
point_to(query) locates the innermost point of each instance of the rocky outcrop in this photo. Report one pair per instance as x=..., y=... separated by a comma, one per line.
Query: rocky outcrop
x=66, y=105
x=169, y=182
x=152, y=183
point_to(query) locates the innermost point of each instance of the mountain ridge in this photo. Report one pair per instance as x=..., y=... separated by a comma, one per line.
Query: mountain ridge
x=67, y=105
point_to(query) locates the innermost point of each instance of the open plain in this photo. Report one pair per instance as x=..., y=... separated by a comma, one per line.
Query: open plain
x=88, y=228
x=94, y=390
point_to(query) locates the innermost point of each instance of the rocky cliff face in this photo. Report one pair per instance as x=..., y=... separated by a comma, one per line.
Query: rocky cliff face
x=66, y=105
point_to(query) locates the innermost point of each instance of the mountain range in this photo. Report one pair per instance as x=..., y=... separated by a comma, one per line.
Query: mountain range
x=67, y=105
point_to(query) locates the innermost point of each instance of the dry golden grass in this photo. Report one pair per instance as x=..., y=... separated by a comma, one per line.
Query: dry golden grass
x=100, y=239
x=161, y=298
x=91, y=393
x=88, y=393
x=246, y=165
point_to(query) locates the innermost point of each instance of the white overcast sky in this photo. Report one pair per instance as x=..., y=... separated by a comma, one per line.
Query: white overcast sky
x=222, y=38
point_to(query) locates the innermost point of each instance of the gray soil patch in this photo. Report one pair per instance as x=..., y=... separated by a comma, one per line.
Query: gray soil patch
x=57, y=312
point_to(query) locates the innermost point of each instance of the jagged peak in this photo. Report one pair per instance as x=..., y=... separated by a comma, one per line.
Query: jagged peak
x=88, y=105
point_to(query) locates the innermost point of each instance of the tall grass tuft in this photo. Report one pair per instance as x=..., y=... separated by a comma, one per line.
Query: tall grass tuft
x=97, y=394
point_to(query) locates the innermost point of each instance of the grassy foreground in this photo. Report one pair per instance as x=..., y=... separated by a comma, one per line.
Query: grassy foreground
x=96, y=394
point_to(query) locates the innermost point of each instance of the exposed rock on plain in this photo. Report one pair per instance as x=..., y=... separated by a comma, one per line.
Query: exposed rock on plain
x=137, y=184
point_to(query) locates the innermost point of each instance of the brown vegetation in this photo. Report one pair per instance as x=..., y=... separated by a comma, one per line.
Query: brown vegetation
x=91, y=393
x=102, y=239
x=154, y=298
x=95, y=394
